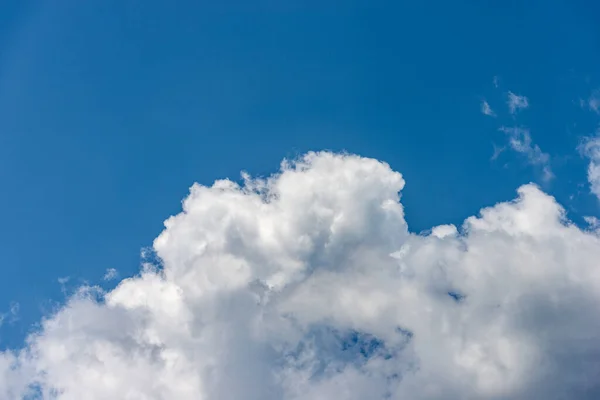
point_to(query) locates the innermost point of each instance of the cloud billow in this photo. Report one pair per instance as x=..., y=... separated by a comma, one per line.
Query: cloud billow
x=309, y=285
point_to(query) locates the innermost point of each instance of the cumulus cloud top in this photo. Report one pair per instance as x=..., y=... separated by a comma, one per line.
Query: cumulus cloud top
x=308, y=285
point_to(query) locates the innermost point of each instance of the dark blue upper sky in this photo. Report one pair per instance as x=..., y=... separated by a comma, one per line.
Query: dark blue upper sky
x=110, y=110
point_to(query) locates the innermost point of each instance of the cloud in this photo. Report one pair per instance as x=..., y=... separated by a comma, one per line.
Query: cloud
x=516, y=102
x=111, y=274
x=309, y=285
x=593, y=102
x=497, y=151
x=520, y=141
x=593, y=222
x=591, y=149
x=486, y=109
x=12, y=315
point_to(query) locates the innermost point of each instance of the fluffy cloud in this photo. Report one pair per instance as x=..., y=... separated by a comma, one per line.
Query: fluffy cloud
x=309, y=285
x=520, y=141
x=516, y=102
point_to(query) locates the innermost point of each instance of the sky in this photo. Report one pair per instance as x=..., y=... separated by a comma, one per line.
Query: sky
x=117, y=116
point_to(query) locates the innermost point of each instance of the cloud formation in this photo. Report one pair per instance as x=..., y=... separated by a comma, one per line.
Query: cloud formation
x=486, y=109
x=11, y=315
x=591, y=149
x=519, y=137
x=309, y=285
x=111, y=274
x=516, y=102
x=520, y=141
x=593, y=102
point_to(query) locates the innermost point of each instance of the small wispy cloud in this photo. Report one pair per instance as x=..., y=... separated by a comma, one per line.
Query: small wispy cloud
x=590, y=148
x=593, y=222
x=111, y=274
x=516, y=102
x=12, y=315
x=497, y=151
x=521, y=142
x=593, y=102
x=62, y=281
x=486, y=109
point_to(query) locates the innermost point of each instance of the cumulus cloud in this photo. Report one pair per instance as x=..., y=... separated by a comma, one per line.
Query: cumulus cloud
x=520, y=141
x=591, y=149
x=309, y=285
x=516, y=102
x=486, y=109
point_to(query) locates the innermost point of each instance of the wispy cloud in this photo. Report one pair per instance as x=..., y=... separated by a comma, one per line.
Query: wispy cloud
x=591, y=149
x=516, y=102
x=111, y=274
x=593, y=102
x=486, y=109
x=497, y=151
x=520, y=141
x=12, y=315
x=593, y=222
x=496, y=81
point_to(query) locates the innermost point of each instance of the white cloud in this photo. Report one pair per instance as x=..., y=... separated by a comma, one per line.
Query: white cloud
x=516, y=102
x=593, y=102
x=63, y=280
x=308, y=285
x=497, y=151
x=591, y=149
x=12, y=315
x=520, y=141
x=486, y=109
x=443, y=231
x=593, y=222
x=111, y=274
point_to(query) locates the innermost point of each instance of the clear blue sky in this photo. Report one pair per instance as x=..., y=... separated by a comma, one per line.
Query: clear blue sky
x=110, y=110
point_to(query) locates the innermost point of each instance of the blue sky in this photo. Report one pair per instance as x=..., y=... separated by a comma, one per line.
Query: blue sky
x=110, y=110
